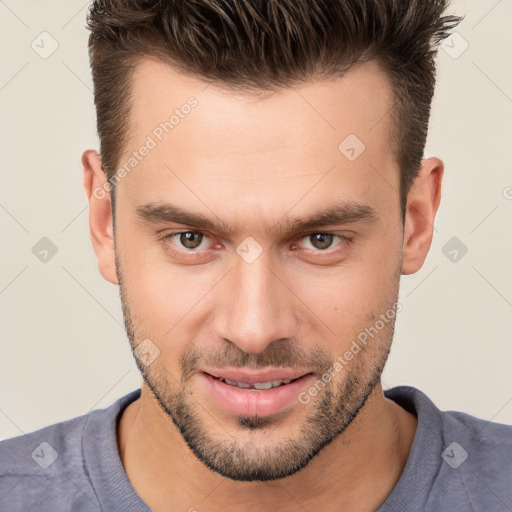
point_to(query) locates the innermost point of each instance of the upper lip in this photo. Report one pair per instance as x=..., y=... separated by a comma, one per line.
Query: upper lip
x=251, y=377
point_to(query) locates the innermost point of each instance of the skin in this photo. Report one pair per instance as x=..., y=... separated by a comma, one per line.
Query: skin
x=253, y=161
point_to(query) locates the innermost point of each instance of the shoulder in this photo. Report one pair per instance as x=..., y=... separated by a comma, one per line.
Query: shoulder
x=39, y=469
x=479, y=453
x=482, y=436
x=29, y=453
x=464, y=461
x=479, y=434
x=47, y=469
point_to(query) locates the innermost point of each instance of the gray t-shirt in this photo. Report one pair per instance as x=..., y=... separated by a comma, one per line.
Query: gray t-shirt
x=457, y=463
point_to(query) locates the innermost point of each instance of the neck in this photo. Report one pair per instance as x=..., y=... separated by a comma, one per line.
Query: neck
x=358, y=469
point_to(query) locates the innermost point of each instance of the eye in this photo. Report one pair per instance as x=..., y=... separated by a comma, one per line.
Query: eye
x=188, y=239
x=323, y=241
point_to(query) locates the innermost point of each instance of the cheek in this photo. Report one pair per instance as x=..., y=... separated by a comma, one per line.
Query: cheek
x=341, y=302
x=168, y=300
x=161, y=301
x=153, y=296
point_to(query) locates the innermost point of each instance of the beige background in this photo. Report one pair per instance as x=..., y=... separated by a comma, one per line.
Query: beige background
x=63, y=347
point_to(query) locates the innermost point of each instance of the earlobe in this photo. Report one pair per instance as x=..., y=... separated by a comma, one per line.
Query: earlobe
x=97, y=190
x=422, y=205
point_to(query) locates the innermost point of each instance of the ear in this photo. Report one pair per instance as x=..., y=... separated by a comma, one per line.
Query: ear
x=97, y=190
x=422, y=204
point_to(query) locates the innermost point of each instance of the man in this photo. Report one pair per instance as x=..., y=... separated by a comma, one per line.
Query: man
x=260, y=190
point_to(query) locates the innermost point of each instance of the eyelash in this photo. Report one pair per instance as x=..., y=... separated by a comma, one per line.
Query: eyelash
x=344, y=240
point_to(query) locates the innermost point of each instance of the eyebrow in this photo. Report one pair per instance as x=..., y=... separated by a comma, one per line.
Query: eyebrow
x=337, y=214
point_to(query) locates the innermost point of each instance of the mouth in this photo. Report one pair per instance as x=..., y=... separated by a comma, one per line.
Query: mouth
x=263, y=376
x=258, y=385
x=255, y=393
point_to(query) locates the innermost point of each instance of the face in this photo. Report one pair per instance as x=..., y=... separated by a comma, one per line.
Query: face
x=251, y=246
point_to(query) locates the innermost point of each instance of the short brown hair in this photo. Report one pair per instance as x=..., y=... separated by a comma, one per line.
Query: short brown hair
x=263, y=45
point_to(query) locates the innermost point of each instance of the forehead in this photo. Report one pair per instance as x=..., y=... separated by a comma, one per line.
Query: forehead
x=356, y=102
x=261, y=147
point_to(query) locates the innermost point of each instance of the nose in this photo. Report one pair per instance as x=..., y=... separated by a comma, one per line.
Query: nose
x=258, y=308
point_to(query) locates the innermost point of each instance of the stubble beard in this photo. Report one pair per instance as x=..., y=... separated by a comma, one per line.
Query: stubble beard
x=335, y=408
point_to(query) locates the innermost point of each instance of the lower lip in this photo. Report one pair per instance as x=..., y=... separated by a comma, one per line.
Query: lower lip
x=255, y=402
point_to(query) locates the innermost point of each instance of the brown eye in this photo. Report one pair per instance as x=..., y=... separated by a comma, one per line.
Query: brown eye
x=190, y=239
x=321, y=240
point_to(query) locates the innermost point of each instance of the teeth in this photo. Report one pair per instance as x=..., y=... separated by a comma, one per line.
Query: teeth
x=263, y=385
x=239, y=384
x=258, y=385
